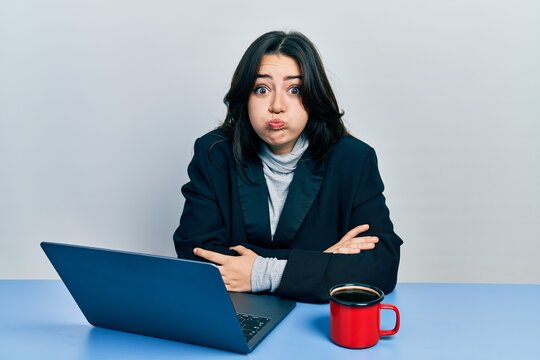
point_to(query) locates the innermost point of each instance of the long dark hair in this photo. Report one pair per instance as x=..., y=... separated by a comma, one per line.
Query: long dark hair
x=324, y=126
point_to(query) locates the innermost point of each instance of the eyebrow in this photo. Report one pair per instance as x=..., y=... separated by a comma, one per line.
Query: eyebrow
x=290, y=77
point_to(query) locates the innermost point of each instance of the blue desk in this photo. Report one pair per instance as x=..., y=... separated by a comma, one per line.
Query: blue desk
x=40, y=320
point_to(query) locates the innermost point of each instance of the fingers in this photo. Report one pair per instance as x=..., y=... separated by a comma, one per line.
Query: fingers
x=364, y=243
x=225, y=278
x=347, y=250
x=241, y=250
x=354, y=246
x=235, y=270
x=354, y=232
x=211, y=256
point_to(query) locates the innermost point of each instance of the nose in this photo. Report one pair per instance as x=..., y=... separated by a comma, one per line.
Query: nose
x=277, y=105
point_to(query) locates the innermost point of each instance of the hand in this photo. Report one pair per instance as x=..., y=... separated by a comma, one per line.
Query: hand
x=350, y=244
x=235, y=270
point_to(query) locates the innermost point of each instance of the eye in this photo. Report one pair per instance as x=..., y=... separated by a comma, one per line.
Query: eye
x=295, y=90
x=260, y=90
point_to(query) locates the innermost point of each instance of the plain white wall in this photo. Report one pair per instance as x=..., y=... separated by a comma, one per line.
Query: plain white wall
x=100, y=102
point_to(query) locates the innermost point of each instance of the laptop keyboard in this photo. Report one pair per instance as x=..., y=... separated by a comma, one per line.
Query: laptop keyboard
x=251, y=324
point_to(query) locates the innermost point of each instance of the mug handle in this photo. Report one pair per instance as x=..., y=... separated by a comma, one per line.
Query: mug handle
x=396, y=328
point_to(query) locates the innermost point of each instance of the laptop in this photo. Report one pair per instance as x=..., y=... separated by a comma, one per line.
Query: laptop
x=164, y=297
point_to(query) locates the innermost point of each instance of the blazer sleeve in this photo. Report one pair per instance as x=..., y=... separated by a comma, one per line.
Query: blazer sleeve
x=201, y=224
x=309, y=275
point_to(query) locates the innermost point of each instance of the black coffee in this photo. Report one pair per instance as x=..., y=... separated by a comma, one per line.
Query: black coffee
x=355, y=296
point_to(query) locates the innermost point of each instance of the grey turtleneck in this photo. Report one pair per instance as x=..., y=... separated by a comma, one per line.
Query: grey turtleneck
x=278, y=172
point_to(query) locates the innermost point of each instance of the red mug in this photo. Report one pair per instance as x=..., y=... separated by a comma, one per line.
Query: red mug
x=355, y=315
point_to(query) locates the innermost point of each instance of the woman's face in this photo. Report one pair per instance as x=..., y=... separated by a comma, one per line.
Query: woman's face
x=275, y=105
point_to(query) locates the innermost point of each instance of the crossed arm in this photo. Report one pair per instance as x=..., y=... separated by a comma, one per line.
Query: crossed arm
x=236, y=270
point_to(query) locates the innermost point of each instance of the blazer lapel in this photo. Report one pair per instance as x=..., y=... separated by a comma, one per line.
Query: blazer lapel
x=303, y=189
x=254, y=202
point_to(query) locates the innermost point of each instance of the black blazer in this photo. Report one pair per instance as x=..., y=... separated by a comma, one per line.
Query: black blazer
x=226, y=207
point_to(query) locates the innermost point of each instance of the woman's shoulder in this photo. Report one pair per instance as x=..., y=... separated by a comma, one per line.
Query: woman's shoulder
x=350, y=146
x=213, y=136
x=351, y=158
x=216, y=138
x=214, y=147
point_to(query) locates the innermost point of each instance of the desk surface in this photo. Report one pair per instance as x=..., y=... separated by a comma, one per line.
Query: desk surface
x=40, y=320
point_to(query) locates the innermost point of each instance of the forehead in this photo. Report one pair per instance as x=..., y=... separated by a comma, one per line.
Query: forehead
x=279, y=64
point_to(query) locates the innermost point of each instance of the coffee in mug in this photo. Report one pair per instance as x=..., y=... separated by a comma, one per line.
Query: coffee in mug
x=355, y=315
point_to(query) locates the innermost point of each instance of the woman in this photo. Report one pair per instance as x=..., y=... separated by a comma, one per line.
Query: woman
x=280, y=196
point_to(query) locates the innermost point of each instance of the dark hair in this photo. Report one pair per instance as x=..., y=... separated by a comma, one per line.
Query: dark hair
x=324, y=126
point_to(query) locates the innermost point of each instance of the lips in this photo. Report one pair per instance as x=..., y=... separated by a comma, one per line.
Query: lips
x=276, y=124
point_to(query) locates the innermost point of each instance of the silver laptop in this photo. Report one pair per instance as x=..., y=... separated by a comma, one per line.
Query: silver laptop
x=164, y=297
